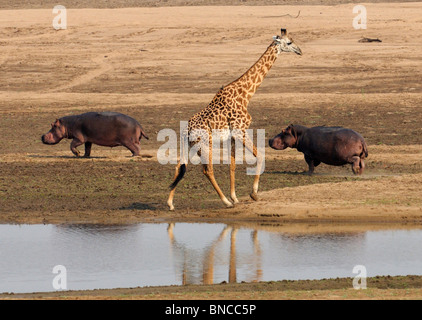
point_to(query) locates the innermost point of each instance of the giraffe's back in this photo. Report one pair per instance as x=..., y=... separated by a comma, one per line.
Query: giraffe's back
x=225, y=111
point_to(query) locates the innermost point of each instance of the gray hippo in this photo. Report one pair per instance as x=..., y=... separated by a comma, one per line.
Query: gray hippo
x=110, y=129
x=330, y=145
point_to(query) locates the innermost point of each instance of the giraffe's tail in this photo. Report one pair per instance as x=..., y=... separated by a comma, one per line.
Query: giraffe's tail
x=182, y=168
x=182, y=171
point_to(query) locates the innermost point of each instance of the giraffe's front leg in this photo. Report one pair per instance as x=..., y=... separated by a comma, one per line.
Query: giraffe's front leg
x=232, y=173
x=209, y=173
x=247, y=142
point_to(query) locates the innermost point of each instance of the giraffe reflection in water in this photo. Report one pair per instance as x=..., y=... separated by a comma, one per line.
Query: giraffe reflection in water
x=205, y=263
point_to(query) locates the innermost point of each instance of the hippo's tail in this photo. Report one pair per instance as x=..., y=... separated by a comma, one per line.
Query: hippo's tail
x=365, y=150
x=143, y=135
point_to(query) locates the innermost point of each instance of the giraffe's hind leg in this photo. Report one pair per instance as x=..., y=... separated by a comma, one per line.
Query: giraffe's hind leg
x=173, y=185
x=209, y=173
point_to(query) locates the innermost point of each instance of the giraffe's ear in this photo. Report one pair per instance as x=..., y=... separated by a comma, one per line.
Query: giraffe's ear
x=283, y=32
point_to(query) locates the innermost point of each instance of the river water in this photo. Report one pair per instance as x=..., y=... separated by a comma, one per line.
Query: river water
x=122, y=256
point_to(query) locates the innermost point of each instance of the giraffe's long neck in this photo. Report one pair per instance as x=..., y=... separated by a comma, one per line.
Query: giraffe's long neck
x=250, y=81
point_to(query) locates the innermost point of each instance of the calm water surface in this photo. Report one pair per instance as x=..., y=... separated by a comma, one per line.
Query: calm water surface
x=100, y=256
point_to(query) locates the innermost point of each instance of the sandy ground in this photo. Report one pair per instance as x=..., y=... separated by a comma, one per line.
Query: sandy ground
x=384, y=288
x=163, y=64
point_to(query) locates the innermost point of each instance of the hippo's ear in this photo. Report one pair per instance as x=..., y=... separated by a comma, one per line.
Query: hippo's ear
x=292, y=131
x=56, y=123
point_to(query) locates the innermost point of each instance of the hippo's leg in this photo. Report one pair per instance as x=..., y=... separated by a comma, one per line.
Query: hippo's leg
x=75, y=143
x=134, y=147
x=362, y=166
x=356, y=165
x=88, y=146
x=138, y=149
x=311, y=164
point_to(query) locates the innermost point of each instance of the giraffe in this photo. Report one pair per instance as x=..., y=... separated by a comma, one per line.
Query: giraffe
x=228, y=113
x=208, y=263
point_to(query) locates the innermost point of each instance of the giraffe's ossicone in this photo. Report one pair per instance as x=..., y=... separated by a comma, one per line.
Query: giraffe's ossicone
x=228, y=112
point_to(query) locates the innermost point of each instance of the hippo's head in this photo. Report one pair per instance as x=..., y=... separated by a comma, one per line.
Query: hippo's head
x=285, y=43
x=56, y=133
x=286, y=138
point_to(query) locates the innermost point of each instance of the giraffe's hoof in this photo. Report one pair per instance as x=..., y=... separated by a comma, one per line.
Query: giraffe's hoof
x=254, y=196
x=228, y=204
x=235, y=201
x=170, y=204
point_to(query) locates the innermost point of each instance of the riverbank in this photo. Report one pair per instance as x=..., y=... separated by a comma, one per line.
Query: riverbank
x=379, y=288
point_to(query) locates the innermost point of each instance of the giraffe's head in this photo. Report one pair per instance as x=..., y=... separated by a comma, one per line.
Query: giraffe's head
x=285, y=43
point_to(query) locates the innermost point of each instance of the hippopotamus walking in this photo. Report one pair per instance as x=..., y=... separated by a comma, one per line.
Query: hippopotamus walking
x=110, y=129
x=331, y=145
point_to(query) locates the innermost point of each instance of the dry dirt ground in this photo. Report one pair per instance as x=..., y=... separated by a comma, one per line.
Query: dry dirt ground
x=160, y=65
x=386, y=288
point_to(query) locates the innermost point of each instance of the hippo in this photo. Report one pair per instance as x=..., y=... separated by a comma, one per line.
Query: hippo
x=331, y=145
x=110, y=129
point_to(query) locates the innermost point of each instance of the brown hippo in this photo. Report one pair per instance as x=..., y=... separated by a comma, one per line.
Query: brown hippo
x=110, y=129
x=331, y=145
